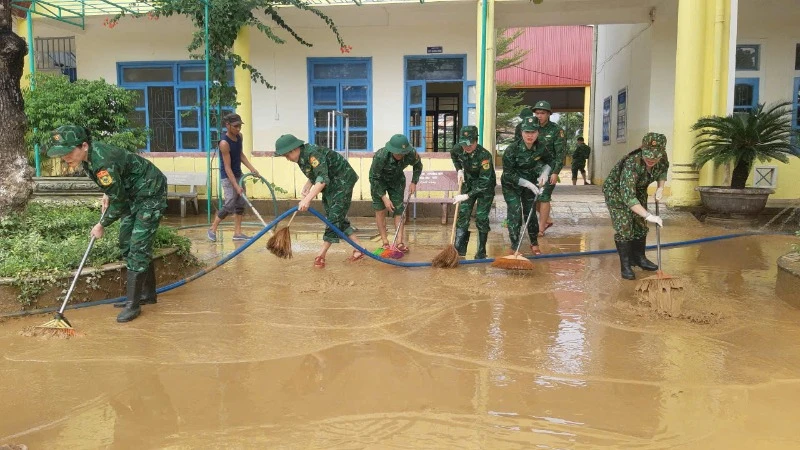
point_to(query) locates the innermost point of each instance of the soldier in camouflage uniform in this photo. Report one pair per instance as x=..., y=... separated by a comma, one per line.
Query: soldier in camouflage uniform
x=135, y=192
x=525, y=163
x=579, y=157
x=476, y=171
x=327, y=172
x=388, y=184
x=554, y=140
x=625, y=191
x=524, y=114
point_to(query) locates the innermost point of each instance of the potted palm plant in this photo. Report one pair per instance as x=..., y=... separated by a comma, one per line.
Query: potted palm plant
x=763, y=133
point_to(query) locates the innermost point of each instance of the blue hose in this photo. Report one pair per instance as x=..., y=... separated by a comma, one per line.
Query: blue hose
x=393, y=262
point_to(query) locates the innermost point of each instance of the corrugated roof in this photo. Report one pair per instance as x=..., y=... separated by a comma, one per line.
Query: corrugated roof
x=559, y=56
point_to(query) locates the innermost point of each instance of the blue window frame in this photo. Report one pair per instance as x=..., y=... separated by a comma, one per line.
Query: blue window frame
x=170, y=103
x=344, y=85
x=745, y=94
x=419, y=70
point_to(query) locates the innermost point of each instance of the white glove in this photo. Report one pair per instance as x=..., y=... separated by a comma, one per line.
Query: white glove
x=654, y=219
x=460, y=198
x=544, y=176
x=528, y=185
x=659, y=194
x=460, y=176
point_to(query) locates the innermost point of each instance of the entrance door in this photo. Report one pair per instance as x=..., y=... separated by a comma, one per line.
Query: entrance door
x=416, y=114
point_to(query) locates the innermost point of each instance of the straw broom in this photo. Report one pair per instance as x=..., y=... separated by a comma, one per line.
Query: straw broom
x=392, y=251
x=663, y=292
x=517, y=261
x=280, y=244
x=448, y=258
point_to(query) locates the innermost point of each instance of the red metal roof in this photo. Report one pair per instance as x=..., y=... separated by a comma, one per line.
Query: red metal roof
x=559, y=56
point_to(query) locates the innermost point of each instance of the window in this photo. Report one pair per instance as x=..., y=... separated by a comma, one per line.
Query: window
x=748, y=57
x=170, y=104
x=56, y=54
x=797, y=57
x=745, y=94
x=471, y=118
x=343, y=86
x=439, y=69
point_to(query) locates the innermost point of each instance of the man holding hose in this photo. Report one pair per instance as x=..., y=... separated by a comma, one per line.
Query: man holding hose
x=526, y=163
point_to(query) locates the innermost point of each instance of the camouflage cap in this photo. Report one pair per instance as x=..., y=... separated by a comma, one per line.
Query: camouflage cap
x=654, y=145
x=541, y=104
x=64, y=139
x=526, y=112
x=286, y=143
x=468, y=135
x=399, y=145
x=530, y=124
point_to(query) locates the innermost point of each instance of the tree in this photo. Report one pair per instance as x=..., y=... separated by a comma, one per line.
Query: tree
x=508, y=105
x=15, y=173
x=572, y=123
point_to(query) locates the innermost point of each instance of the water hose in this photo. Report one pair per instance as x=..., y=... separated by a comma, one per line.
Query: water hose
x=393, y=262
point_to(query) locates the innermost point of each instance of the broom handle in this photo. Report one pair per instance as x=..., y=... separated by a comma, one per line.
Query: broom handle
x=80, y=269
x=402, y=218
x=291, y=219
x=247, y=200
x=525, y=229
x=658, y=240
x=455, y=218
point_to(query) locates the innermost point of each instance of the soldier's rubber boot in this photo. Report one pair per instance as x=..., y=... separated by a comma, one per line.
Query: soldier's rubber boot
x=132, y=309
x=462, y=238
x=148, y=293
x=638, y=257
x=624, y=250
x=482, y=238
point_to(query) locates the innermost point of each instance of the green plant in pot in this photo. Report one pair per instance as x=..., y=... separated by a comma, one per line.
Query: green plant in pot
x=762, y=134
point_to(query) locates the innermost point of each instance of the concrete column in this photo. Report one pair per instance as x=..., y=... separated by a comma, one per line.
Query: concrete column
x=485, y=81
x=242, y=82
x=22, y=31
x=701, y=85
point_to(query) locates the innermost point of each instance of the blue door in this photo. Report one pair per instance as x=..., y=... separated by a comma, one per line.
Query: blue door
x=416, y=114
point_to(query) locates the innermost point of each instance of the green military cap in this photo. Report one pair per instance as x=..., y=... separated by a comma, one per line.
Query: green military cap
x=654, y=145
x=541, y=104
x=526, y=112
x=287, y=143
x=530, y=124
x=468, y=135
x=399, y=145
x=64, y=139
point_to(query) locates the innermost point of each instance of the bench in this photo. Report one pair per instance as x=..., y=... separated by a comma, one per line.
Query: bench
x=191, y=179
x=445, y=181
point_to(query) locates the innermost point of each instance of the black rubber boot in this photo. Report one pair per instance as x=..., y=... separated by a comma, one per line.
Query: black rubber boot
x=482, y=237
x=132, y=310
x=638, y=257
x=462, y=238
x=624, y=250
x=148, y=293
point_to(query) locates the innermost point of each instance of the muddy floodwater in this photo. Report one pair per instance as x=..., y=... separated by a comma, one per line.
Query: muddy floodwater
x=273, y=354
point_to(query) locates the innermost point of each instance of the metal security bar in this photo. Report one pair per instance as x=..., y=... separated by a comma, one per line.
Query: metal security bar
x=332, y=115
x=55, y=53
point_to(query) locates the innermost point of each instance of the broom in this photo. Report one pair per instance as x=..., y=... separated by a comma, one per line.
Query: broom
x=247, y=200
x=663, y=291
x=60, y=325
x=392, y=251
x=517, y=261
x=448, y=258
x=280, y=244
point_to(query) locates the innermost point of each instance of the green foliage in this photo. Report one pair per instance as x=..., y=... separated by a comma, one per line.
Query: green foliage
x=49, y=240
x=762, y=134
x=572, y=123
x=509, y=103
x=226, y=18
x=103, y=108
x=796, y=247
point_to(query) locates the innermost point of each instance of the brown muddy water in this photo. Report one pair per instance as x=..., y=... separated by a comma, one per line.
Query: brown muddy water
x=266, y=353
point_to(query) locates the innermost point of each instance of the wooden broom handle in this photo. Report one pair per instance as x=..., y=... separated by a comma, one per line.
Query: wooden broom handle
x=290, y=220
x=455, y=218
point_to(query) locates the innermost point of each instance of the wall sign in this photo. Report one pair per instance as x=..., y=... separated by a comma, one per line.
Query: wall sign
x=435, y=49
x=607, y=120
x=622, y=115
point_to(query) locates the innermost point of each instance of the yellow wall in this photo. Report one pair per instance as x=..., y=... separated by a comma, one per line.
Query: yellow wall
x=285, y=174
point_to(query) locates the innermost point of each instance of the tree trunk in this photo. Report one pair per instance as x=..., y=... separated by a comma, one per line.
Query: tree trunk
x=15, y=173
x=740, y=174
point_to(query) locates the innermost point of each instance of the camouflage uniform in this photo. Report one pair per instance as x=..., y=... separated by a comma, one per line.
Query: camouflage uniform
x=524, y=114
x=137, y=193
x=553, y=138
x=322, y=165
x=579, y=157
x=479, y=183
x=386, y=174
x=522, y=162
x=626, y=186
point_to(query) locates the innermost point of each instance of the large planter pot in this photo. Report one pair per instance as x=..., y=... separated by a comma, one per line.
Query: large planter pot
x=727, y=205
x=787, y=284
x=61, y=187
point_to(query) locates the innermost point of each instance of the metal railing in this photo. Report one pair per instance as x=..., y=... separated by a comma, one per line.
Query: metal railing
x=331, y=129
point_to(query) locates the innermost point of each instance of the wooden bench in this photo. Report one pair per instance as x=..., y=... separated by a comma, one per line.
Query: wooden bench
x=191, y=179
x=445, y=181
